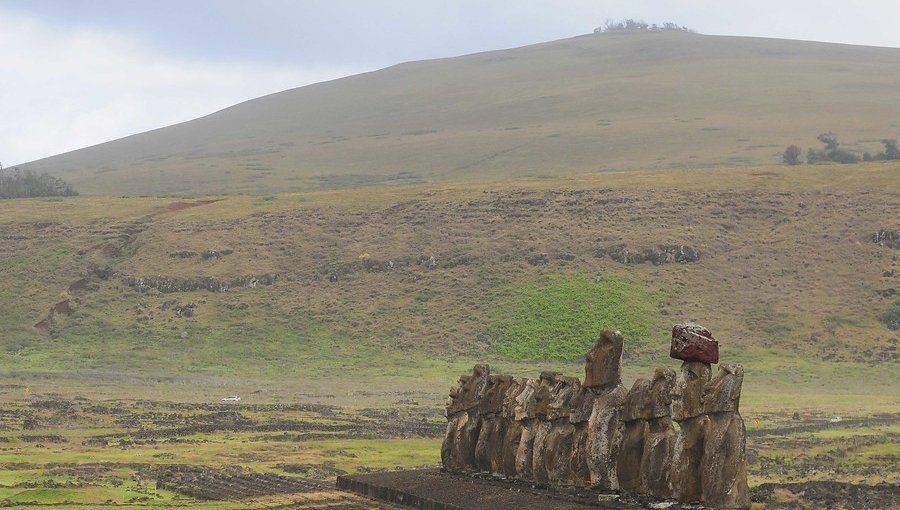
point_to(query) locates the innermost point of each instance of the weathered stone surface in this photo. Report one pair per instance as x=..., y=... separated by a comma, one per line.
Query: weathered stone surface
x=693, y=342
x=687, y=465
x=513, y=429
x=723, y=393
x=603, y=363
x=659, y=394
x=464, y=420
x=526, y=417
x=724, y=464
x=582, y=407
x=635, y=405
x=493, y=427
x=556, y=449
x=688, y=395
x=656, y=464
x=544, y=395
x=605, y=438
x=631, y=453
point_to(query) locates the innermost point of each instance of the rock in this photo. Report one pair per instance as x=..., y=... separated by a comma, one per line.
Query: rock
x=603, y=363
x=693, y=342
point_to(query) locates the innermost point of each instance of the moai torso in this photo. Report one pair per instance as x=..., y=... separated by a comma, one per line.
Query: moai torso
x=603, y=368
x=525, y=415
x=513, y=428
x=490, y=438
x=582, y=407
x=687, y=410
x=545, y=393
x=464, y=420
x=724, y=476
x=659, y=443
x=558, y=444
x=634, y=432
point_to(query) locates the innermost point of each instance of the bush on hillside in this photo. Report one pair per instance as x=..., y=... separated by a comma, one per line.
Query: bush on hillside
x=631, y=25
x=18, y=183
x=792, y=155
x=832, y=152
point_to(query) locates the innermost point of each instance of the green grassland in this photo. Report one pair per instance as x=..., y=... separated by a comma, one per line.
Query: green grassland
x=593, y=103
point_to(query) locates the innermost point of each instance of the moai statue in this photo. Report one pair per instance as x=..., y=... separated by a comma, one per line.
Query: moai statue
x=513, y=429
x=659, y=443
x=526, y=403
x=603, y=376
x=687, y=410
x=543, y=396
x=493, y=425
x=634, y=433
x=582, y=407
x=724, y=464
x=557, y=445
x=464, y=420
x=696, y=347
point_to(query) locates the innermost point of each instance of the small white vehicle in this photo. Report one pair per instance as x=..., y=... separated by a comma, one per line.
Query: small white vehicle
x=231, y=398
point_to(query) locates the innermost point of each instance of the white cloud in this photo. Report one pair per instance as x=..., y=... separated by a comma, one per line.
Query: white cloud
x=71, y=88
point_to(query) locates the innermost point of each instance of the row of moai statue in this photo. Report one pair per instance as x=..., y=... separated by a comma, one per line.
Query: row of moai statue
x=557, y=430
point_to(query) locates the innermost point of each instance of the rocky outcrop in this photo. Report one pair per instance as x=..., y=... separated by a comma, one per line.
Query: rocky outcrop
x=887, y=238
x=167, y=284
x=558, y=431
x=661, y=254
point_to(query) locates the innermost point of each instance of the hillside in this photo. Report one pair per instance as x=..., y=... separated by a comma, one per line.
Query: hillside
x=414, y=282
x=587, y=104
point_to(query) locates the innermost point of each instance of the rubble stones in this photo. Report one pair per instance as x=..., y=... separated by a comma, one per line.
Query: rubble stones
x=693, y=342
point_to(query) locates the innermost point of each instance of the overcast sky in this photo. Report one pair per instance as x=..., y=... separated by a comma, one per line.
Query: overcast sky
x=80, y=72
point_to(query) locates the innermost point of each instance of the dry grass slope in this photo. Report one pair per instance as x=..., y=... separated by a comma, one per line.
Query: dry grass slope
x=586, y=104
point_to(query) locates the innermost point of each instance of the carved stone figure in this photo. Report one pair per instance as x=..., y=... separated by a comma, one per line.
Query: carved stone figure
x=526, y=403
x=724, y=475
x=582, y=407
x=558, y=443
x=543, y=396
x=634, y=432
x=687, y=410
x=464, y=420
x=513, y=429
x=603, y=375
x=493, y=425
x=659, y=442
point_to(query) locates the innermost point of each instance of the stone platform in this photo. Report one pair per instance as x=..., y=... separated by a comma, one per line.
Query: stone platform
x=432, y=489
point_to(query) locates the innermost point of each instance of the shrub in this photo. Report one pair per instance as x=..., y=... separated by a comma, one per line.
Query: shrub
x=792, y=155
x=17, y=183
x=891, y=316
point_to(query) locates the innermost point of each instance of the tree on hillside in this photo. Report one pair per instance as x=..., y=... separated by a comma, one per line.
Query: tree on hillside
x=832, y=152
x=632, y=25
x=18, y=183
x=792, y=155
x=890, y=149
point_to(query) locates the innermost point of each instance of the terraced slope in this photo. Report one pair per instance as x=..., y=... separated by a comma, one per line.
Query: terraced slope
x=587, y=104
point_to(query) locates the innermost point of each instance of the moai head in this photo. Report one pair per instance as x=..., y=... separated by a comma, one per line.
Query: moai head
x=516, y=386
x=562, y=397
x=688, y=395
x=635, y=405
x=526, y=401
x=603, y=363
x=723, y=393
x=659, y=395
x=543, y=395
x=470, y=390
x=494, y=393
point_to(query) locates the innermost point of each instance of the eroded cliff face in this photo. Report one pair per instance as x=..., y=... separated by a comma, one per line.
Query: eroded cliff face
x=556, y=430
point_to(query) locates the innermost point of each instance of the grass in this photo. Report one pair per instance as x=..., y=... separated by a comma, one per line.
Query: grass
x=559, y=319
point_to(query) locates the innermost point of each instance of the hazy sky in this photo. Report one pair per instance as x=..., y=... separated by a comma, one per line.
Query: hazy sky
x=80, y=72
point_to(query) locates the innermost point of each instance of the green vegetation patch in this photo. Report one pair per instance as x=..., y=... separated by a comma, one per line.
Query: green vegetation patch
x=560, y=319
x=891, y=316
